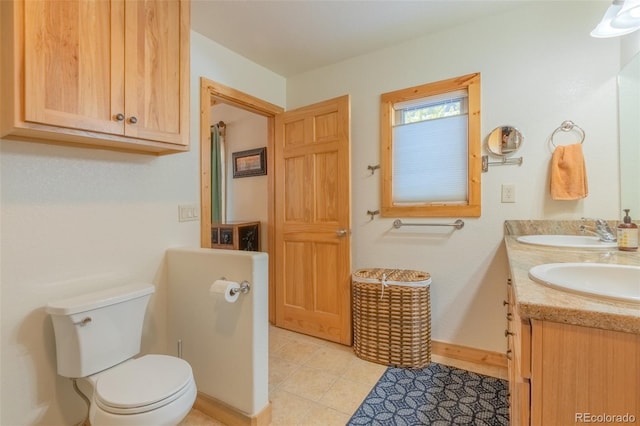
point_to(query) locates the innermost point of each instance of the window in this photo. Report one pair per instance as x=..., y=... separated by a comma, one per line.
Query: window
x=430, y=141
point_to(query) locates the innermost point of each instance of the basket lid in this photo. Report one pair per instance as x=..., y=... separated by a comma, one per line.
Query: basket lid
x=406, y=277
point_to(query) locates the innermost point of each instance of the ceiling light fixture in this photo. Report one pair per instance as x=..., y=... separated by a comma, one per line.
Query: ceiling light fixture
x=622, y=17
x=629, y=15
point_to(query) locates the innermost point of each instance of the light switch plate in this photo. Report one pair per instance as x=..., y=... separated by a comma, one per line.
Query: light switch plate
x=188, y=212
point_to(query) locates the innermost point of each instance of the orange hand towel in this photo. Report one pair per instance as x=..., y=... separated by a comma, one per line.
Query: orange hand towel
x=568, y=173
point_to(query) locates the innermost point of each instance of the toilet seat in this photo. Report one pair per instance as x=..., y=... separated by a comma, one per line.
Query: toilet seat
x=143, y=384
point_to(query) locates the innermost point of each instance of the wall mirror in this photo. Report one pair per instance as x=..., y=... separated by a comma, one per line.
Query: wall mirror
x=504, y=141
x=629, y=130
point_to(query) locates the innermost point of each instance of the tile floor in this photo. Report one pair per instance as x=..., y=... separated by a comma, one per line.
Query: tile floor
x=315, y=382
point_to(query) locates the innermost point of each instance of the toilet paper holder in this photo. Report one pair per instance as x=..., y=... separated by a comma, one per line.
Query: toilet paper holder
x=245, y=287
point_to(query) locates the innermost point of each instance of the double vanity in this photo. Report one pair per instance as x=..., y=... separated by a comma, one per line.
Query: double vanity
x=573, y=326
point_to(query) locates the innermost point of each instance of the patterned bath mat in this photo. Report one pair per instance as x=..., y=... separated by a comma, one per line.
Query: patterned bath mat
x=434, y=395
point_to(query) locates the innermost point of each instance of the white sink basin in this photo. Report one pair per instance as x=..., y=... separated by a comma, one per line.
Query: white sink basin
x=576, y=241
x=612, y=281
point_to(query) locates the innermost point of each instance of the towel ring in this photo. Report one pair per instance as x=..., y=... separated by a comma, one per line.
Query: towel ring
x=567, y=126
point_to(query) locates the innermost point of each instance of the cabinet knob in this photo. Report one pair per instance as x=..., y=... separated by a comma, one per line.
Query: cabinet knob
x=505, y=303
x=509, y=354
x=119, y=117
x=508, y=333
x=133, y=120
x=509, y=316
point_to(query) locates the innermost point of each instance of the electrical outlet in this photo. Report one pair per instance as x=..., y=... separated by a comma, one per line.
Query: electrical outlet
x=508, y=193
x=187, y=212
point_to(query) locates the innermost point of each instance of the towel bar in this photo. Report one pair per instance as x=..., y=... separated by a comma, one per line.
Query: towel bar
x=505, y=161
x=458, y=224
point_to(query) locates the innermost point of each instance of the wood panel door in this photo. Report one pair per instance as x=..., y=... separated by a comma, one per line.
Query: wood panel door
x=74, y=64
x=313, y=220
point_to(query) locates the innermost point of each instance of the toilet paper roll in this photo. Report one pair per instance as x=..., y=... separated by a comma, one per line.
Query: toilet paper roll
x=223, y=288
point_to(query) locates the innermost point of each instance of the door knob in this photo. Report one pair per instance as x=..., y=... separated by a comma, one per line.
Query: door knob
x=341, y=232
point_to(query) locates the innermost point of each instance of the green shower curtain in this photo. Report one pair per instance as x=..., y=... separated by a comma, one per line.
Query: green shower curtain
x=216, y=175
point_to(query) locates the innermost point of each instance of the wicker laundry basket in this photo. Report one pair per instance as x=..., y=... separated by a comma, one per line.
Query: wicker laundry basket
x=392, y=316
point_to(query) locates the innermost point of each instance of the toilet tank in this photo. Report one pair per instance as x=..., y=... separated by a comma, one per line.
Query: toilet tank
x=98, y=330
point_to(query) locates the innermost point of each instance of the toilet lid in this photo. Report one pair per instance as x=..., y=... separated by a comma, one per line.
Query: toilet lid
x=143, y=384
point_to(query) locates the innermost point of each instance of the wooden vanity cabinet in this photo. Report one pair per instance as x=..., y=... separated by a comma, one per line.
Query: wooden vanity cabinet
x=518, y=334
x=561, y=374
x=113, y=74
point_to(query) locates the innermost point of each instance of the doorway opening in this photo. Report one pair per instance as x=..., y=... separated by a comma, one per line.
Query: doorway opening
x=308, y=223
x=255, y=119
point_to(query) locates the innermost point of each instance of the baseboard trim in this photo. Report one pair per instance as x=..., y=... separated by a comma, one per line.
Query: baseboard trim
x=228, y=415
x=465, y=353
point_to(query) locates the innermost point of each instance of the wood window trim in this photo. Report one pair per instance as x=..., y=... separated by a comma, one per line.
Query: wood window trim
x=470, y=82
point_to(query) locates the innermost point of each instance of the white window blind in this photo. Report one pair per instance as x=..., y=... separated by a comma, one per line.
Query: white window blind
x=430, y=161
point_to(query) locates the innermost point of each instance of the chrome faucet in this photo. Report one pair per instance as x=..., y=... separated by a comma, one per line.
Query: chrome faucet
x=601, y=230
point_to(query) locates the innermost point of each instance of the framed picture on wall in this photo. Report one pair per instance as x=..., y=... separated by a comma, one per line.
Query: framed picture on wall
x=252, y=162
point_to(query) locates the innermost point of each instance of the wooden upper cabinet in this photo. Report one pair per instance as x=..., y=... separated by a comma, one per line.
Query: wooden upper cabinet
x=112, y=74
x=156, y=56
x=74, y=64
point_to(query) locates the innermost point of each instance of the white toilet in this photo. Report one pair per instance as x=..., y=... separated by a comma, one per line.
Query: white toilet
x=97, y=336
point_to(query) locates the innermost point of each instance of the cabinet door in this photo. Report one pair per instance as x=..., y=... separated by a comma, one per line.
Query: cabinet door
x=581, y=373
x=156, y=70
x=74, y=64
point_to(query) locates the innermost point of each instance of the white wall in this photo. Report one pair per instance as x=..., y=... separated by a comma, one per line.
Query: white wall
x=539, y=67
x=226, y=344
x=73, y=218
x=629, y=47
x=217, y=63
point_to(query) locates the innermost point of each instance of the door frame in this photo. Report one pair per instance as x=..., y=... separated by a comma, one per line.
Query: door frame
x=212, y=92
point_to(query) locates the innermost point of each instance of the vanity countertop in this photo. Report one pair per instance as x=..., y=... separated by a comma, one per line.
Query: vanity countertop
x=537, y=301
